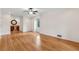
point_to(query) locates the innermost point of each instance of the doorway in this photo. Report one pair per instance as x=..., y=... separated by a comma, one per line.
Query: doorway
x=14, y=28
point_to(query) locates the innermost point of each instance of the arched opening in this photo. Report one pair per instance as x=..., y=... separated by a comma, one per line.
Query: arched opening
x=15, y=26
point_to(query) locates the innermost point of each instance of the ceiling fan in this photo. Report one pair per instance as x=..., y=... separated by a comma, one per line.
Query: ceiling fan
x=31, y=11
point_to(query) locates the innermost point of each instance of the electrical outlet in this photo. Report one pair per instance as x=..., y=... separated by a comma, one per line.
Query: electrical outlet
x=58, y=35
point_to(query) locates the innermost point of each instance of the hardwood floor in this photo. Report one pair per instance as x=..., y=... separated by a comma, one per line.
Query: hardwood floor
x=33, y=42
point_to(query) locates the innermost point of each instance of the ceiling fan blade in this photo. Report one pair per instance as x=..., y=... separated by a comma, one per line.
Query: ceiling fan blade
x=35, y=11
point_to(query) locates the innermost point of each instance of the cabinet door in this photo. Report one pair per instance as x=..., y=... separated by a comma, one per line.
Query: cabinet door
x=17, y=28
x=12, y=28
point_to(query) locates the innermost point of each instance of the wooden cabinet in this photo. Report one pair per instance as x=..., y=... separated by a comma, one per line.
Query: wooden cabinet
x=14, y=28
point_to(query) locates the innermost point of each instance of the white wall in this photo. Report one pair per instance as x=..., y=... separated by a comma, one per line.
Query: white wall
x=61, y=21
x=21, y=23
x=8, y=14
x=28, y=23
x=52, y=22
x=4, y=24
x=0, y=23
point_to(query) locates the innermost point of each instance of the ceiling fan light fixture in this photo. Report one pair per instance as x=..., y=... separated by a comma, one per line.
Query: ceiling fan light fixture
x=31, y=11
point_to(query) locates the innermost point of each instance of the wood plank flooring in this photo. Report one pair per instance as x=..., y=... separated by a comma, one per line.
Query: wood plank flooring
x=34, y=42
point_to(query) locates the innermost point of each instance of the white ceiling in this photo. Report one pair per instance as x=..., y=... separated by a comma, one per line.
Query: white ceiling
x=20, y=11
x=14, y=11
